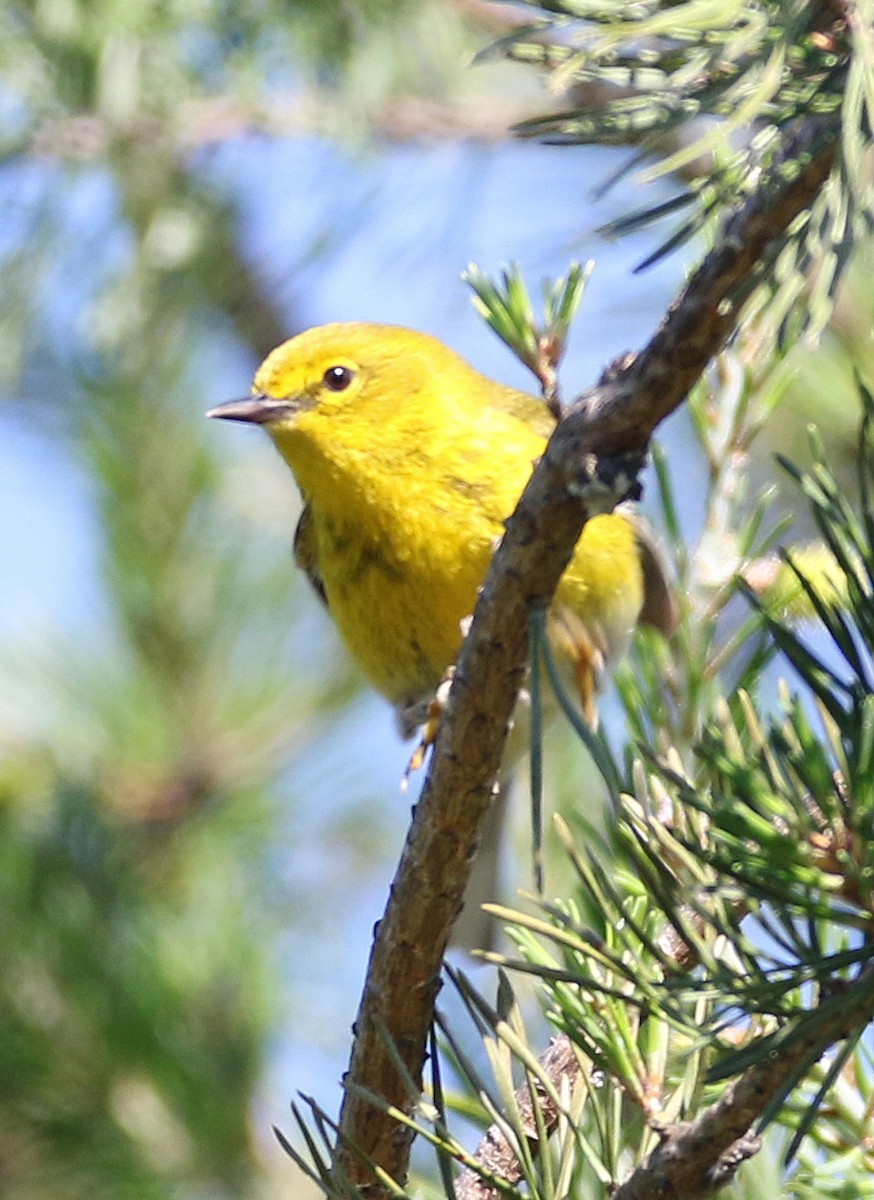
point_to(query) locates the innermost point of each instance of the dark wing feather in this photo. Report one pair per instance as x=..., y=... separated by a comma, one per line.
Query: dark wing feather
x=659, y=603
x=306, y=554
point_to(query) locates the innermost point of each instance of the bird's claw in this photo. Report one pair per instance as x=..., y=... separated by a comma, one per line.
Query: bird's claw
x=430, y=728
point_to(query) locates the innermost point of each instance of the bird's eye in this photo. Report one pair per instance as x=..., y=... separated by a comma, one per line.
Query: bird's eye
x=337, y=379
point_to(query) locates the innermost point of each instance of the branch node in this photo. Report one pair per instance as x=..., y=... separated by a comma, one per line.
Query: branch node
x=727, y=1165
x=603, y=481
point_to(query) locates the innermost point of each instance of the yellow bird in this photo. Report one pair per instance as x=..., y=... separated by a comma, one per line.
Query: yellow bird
x=409, y=461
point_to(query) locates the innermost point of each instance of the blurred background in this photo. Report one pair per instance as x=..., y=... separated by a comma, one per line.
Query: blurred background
x=200, y=807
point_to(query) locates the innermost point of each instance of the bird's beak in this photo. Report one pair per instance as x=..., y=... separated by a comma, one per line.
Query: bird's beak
x=258, y=409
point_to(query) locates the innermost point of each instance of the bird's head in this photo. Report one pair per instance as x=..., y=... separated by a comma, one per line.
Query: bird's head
x=351, y=369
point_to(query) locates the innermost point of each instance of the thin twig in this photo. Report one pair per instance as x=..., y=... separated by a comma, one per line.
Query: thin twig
x=694, y=1160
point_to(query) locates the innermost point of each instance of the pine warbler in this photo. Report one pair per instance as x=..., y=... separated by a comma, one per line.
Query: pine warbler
x=409, y=461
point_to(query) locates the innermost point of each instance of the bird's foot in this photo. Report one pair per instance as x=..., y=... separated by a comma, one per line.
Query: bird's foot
x=429, y=721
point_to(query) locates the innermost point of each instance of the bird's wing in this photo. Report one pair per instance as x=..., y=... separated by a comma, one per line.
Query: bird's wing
x=659, y=602
x=306, y=555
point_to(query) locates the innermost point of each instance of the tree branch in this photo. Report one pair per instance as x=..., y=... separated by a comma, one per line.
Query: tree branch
x=615, y=419
x=695, y=1160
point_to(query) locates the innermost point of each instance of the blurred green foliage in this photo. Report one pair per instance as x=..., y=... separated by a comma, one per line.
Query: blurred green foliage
x=142, y=812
